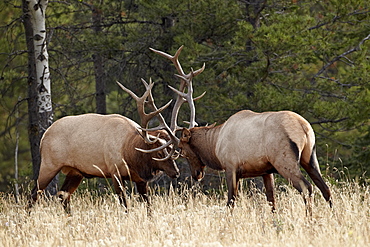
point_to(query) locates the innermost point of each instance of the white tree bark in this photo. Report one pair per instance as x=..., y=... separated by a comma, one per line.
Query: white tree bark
x=39, y=89
x=37, y=10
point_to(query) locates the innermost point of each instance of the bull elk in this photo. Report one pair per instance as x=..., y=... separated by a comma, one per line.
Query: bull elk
x=93, y=145
x=249, y=144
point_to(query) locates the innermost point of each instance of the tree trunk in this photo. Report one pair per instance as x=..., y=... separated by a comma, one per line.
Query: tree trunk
x=39, y=90
x=253, y=11
x=100, y=84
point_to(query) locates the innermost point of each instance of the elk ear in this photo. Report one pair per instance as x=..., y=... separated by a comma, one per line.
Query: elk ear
x=185, y=135
x=212, y=125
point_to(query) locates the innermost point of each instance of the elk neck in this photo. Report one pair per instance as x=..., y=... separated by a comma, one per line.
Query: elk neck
x=203, y=142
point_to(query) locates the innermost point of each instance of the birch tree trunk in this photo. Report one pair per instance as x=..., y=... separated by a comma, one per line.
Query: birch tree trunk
x=39, y=89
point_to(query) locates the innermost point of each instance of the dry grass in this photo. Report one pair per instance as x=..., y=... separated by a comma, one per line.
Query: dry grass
x=191, y=221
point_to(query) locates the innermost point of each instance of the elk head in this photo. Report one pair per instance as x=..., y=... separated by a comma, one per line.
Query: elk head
x=184, y=94
x=160, y=140
x=196, y=164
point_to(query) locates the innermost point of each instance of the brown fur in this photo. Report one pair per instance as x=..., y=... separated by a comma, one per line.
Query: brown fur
x=253, y=144
x=93, y=145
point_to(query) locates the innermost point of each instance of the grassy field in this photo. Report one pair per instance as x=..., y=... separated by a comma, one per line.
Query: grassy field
x=191, y=220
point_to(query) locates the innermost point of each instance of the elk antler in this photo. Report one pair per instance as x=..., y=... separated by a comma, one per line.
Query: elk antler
x=147, y=99
x=186, y=81
x=140, y=102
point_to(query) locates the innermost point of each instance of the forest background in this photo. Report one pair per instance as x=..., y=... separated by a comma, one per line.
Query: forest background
x=311, y=57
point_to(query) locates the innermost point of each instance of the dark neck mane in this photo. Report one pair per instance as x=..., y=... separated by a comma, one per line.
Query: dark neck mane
x=203, y=141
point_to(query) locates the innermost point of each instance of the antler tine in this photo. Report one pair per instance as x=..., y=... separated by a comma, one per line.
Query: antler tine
x=198, y=71
x=188, y=96
x=173, y=154
x=151, y=104
x=185, y=97
x=173, y=140
x=174, y=59
x=147, y=99
x=133, y=95
x=150, y=99
x=200, y=96
x=186, y=81
x=140, y=103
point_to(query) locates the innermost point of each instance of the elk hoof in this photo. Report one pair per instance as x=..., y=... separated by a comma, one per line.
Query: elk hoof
x=199, y=175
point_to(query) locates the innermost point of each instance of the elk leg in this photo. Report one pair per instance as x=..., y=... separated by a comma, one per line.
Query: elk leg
x=120, y=191
x=312, y=168
x=268, y=181
x=294, y=176
x=142, y=188
x=72, y=181
x=33, y=197
x=44, y=178
x=302, y=185
x=232, y=185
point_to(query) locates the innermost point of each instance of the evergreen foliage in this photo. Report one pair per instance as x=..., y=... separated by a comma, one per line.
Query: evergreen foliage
x=311, y=57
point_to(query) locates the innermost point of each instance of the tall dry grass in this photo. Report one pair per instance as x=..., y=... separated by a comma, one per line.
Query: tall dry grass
x=187, y=220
